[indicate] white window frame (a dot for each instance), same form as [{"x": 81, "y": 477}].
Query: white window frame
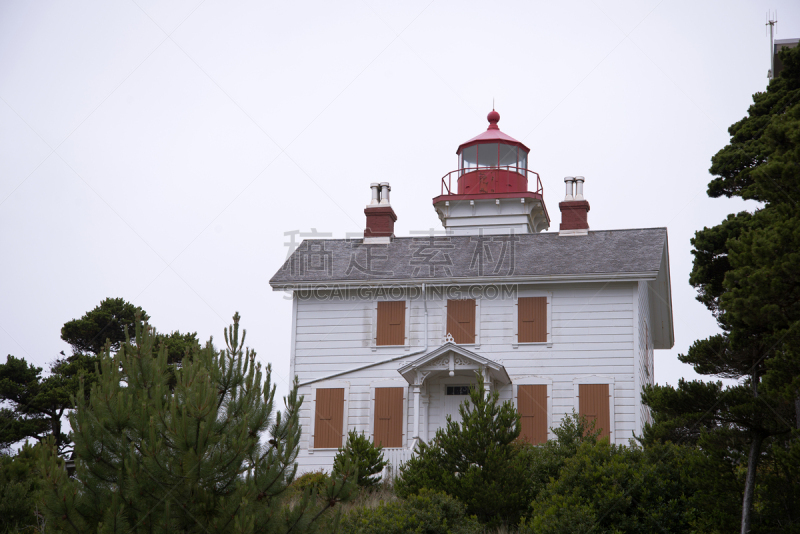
[
  {"x": 392, "y": 383},
  {"x": 534, "y": 380},
  {"x": 533, "y": 293},
  {"x": 477, "y": 344},
  {"x": 373, "y": 342},
  {"x": 598, "y": 379},
  {"x": 328, "y": 384}
]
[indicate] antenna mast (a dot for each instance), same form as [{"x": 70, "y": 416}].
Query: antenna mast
[{"x": 772, "y": 20}]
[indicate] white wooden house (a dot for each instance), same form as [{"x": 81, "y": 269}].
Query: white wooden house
[{"x": 388, "y": 332}]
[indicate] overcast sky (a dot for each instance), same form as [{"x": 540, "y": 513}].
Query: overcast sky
[{"x": 158, "y": 151}]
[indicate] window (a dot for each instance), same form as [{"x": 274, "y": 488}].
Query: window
[
  {"x": 391, "y": 323},
  {"x": 594, "y": 405},
  {"x": 388, "y": 417},
  {"x": 469, "y": 158},
  {"x": 508, "y": 156},
  {"x": 457, "y": 390},
  {"x": 532, "y": 319},
  {"x": 488, "y": 154},
  {"x": 532, "y": 408},
  {"x": 461, "y": 320},
  {"x": 328, "y": 418}
]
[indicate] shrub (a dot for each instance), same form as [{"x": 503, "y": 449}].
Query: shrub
[
  {"x": 429, "y": 512},
  {"x": 501, "y": 477},
  {"x": 365, "y": 456},
  {"x": 475, "y": 461},
  {"x": 313, "y": 481},
  {"x": 612, "y": 488},
  {"x": 19, "y": 489}
]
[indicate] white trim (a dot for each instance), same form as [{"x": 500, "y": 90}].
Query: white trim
[
  {"x": 579, "y": 231},
  {"x": 598, "y": 379},
  {"x": 373, "y": 338},
  {"x": 377, "y": 240},
  {"x": 408, "y": 325},
  {"x": 533, "y": 293},
  {"x": 328, "y": 384},
  {"x": 486, "y": 280},
  {"x": 425, "y": 400},
  {"x": 445, "y": 300},
  {"x": 391, "y": 383},
  {"x": 637, "y": 357},
  {"x": 410, "y": 371},
  {"x": 293, "y": 341},
  {"x": 477, "y": 344},
  {"x": 534, "y": 380}
]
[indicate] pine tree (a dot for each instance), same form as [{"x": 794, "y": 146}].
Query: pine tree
[
  {"x": 366, "y": 457},
  {"x": 746, "y": 273},
  {"x": 35, "y": 403},
  {"x": 189, "y": 458},
  {"x": 474, "y": 460}
]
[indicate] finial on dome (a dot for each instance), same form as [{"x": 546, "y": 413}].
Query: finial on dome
[{"x": 493, "y": 117}]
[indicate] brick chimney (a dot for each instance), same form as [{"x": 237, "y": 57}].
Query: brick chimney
[
  {"x": 574, "y": 208},
  {"x": 380, "y": 215}
]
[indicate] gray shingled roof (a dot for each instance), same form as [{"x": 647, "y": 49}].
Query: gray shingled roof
[{"x": 473, "y": 257}]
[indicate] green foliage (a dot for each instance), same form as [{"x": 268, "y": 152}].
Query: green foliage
[
  {"x": 367, "y": 458},
  {"x": 704, "y": 412},
  {"x": 475, "y": 461},
  {"x": 37, "y": 403},
  {"x": 19, "y": 490},
  {"x": 428, "y": 512},
  {"x": 151, "y": 458},
  {"x": 108, "y": 321},
  {"x": 610, "y": 488},
  {"x": 745, "y": 271},
  {"x": 315, "y": 480},
  {"x": 540, "y": 464},
  {"x": 777, "y": 500},
  {"x": 178, "y": 345},
  {"x": 760, "y": 161}
]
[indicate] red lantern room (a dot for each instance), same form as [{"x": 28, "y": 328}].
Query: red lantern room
[
  {"x": 492, "y": 179},
  {"x": 492, "y": 162}
]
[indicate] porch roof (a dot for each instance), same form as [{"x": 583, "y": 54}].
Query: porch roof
[{"x": 450, "y": 358}]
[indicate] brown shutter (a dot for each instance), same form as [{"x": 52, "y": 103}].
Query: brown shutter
[
  {"x": 389, "y": 417},
  {"x": 328, "y": 423},
  {"x": 461, "y": 320},
  {"x": 593, "y": 404},
  {"x": 391, "y": 323},
  {"x": 532, "y": 313},
  {"x": 532, "y": 408}
]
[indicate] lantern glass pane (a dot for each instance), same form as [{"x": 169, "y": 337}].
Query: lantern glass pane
[
  {"x": 508, "y": 156},
  {"x": 487, "y": 155}
]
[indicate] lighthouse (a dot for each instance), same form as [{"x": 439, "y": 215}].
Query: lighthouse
[
  {"x": 388, "y": 332},
  {"x": 489, "y": 193}
]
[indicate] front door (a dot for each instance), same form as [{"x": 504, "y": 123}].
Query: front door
[{"x": 453, "y": 397}]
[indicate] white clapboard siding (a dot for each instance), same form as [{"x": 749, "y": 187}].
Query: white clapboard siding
[{"x": 591, "y": 327}]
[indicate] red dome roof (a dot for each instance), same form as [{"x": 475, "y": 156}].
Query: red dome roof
[{"x": 492, "y": 135}]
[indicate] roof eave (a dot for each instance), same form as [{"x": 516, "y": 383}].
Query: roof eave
[{"x": 484, "y": 280}]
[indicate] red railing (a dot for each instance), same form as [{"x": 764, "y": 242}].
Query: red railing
[{"x": 447, "y": 178}]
